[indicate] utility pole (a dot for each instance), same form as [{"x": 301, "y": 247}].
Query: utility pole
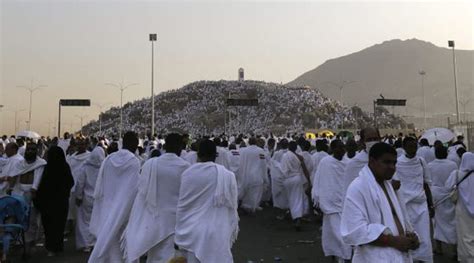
[
  {"x": 31, "y": 89},
  {"x": 121, "y": 87}
]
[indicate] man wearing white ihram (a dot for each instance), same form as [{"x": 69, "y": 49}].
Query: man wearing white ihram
[
  {"x": 85, "y": 187},
  {"x": 207, "y": 222},
  {"x": 296, "y": 179},
  {"x": 114, "y": 194},
  {"x": 414, "y": 177},
  {"x": 464, "y": 182},
  {"x": 252, "y": 177},
  {"x": 373, "y": 219},
  {"x": 152, "y": 222},
  {"x": 369, "y": 137},
  {"x": 75, "y": 161},
  {"x": 331, "y": 198},
  {"x": 445, "y": 221}
]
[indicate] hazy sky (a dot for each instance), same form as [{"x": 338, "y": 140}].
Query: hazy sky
[{"x": 74, "y": 47}]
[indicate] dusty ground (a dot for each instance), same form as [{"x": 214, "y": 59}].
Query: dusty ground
[{"x": 261, "y": 239}]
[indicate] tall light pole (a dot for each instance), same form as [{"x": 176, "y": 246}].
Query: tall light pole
[
  {"x": 31, "y": 89},
  {"x": 422, "y": 74},
  {"x": 452, "y": 45},
  {"x": 152, "y": 40},
  {"x": 122, "y": 87}
]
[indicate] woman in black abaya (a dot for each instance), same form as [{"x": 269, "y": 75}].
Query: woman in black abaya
[{"x": 52, "y": 199}]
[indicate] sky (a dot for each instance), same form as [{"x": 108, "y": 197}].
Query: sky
[{"x": 75, "y": 47}]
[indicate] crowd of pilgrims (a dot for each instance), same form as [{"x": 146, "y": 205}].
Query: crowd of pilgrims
[
  {"x": 198, "y": 106},
  {"x": 178, "y": 197}
]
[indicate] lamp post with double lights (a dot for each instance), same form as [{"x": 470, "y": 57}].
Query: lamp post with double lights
[
  {"x": 31, "y": 89},
  {"x": 122, "y": 87}
]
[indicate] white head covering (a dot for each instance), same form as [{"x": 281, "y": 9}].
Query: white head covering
[
  {"x": 466, "y": 188},
  {"x": 96, "y": 157}
]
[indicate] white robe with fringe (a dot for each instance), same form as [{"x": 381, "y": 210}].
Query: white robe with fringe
[
  {"x": 114, "y": 194},
  {"x": 207, "y": 222}
]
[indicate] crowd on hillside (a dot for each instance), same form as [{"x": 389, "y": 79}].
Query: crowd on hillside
[{"x": 199, "y": 108}]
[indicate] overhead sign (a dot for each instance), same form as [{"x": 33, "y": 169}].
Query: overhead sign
[
  {"x": 242, "y": 102},
  {"x": 390, "y": 102},
  {"x": 75, "y": 102}
]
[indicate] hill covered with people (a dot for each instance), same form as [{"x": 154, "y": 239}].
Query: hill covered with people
[{"x": 200, "y": 108}]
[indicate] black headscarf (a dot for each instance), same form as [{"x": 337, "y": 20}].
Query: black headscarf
[{"x": 57, "y": 180}]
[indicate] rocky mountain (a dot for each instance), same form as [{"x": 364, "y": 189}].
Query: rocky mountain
[{"x": 392, "y": 69}]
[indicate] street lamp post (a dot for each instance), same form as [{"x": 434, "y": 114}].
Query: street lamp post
[
  {"x": 122, "y": 87},
  {"x": 152, "y": 40},
  {"x": 31, "y": 89},
  {"x": 422, "y": 74},
  {"x": 452, "y": 45}
]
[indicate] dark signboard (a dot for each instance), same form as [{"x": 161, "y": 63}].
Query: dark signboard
[
  {"x": 75, "y": 102},
  {"x": 389, "y": 102},
  {"x": 242, "y": 102}
]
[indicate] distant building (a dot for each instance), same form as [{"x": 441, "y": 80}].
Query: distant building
[{"x": 241, "y": 74}]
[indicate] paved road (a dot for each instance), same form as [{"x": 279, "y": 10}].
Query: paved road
[{"x": 261, "y": 238}]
